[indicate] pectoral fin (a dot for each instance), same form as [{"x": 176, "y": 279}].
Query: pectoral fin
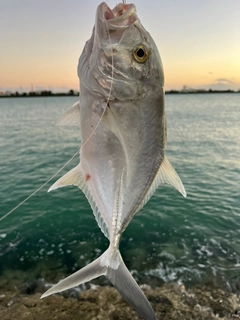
[{"x": 71, "y": 117}]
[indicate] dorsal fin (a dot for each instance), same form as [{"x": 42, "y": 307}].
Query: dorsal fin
[
  {"x": 75, "y": 177},
  {"x": 166, "y": 174},
  {"x": 71, "y": 117}
]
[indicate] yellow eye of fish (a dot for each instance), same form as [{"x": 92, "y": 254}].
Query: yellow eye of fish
[{"x": 140, "y": 53}]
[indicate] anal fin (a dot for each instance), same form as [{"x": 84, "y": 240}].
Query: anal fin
[
  {"x": 75, "y": 177},
  {"x": 72, "y": 178}
]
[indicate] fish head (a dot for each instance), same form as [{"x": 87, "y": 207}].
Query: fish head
[{"x": 121, "y": 60}]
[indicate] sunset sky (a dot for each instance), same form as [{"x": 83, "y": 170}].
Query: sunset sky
[{"x": 41, "y": 41}]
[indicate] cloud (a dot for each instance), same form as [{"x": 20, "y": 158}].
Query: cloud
[
  {"x": 225, "y": 80},
  {"x": 222, "y": 84}
]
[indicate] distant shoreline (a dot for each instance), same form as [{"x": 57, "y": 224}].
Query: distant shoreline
[
  {"x": 200, "y": 91},
  {"x": 76, "y": 94}
]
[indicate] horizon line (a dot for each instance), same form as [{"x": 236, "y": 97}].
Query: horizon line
[{"x": 71, "y": 92}]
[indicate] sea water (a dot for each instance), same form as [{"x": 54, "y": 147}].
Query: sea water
[{"x": 190, "y": 240}]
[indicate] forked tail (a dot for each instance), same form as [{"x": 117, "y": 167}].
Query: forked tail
[{"x": 120, "y": 277}]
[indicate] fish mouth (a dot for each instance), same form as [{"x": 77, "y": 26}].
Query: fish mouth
[{"x": 122, "y": 15}]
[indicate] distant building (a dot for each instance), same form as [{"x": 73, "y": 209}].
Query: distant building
[{"x": 187, "y": 89}]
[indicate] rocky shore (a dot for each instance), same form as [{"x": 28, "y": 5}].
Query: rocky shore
[{"x": 170, "y": 301}]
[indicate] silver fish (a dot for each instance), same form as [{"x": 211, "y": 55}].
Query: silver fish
[{"x": 123, "y": 136}]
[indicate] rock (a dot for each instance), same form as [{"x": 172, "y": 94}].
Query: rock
[{"x": 170, "y": 302}]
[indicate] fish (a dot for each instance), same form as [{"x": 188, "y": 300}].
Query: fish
[{"x": 122, "y": 123}]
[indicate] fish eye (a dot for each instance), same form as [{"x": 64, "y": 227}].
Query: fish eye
[{"x": 140, "y": 53}]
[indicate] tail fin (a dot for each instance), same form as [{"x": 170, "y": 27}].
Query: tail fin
[
  {"x": 124, "y": 282},
  {"x": 91, "y": 271},
  {"x": 120, "y": 277}
]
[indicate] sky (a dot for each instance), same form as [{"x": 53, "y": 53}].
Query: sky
[{"x": 41, "y": 41}]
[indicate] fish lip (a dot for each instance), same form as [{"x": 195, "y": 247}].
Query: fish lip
[{"x": 122, "y": 15}]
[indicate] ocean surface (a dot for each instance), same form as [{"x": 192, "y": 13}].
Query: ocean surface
[{"x": 190, "y": 241}]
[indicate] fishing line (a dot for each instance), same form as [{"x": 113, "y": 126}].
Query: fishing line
[
  {"x": 31, "y": 195},
  {"x": 108, "y": 99},
  {"x": 110, "y": 91}
]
